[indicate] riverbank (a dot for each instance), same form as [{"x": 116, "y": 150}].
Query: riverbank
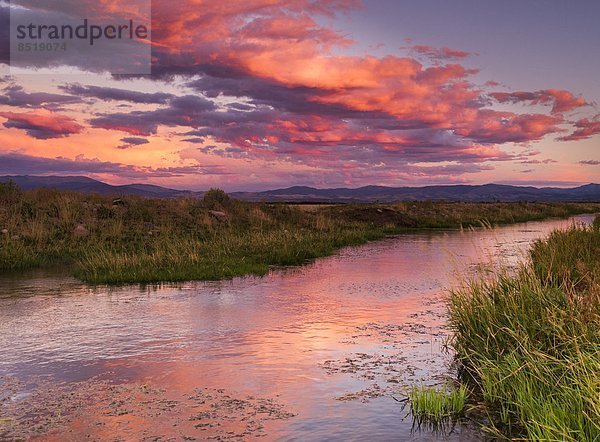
[
  {"x": 136, "y": 240},
  {"x": 528, "y": 343}
]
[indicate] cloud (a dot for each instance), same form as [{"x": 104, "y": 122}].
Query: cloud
[
  {"x": 267, "y": 80},
  {"x": 14, "y": 95},
  {"x": 546, "y": 161},
  {"x": 504, "y": 127},
  {"x": 19, "y": 163},
  {"x": 438, "y": 54},
  {"x": 308, "y": 102},
  {"x": 253, "y": 24},
  {"x": 561, "y": 101},
  {"x": 590, "y": 163},
  {"x": 586, "y": 128},
  {"x": 114, "y": 94},
  {"x": 42, "y": 124},
  {"x": 135, "y": 141},
  {"x": 134, "y": 123},
  {"x": 184, "y": 111},
  {"x": 195, "y": 140},
  {"x": 132, "y": 142}
]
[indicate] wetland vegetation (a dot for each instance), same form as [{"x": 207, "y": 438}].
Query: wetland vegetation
[
  {"x": 140, "y": 240},
  {"x": 528, "y": 343}
]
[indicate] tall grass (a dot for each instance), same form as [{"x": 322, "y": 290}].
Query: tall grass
[
  {"x": 227, "y": 255},
  {"x": 571, "y": 259},
  {"x": 529, "y": 343}
]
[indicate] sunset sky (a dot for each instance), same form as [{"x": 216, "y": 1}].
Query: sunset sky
[{"x": 262, "y": 94}]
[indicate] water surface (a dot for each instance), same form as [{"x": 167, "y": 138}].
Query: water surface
[{"x": 322, "y": 351}]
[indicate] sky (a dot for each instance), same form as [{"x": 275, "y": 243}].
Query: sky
[{"x": 263, "y": 94}]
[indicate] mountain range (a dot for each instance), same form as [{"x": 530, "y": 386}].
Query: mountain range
[{"x": 465, "y": 193}]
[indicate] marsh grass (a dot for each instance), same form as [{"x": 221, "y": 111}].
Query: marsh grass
[
  {"x": 222, "y": 256},
  {"x": 529, "y": 343},
  {"x": 163, "y": 240},
  {"x": 437, "y": 405}
]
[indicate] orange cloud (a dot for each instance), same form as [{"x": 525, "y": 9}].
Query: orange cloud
[{"x": 42, "y": 124}]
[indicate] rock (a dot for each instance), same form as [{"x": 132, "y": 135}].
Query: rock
[
  {"x": 379, "y": 211},
  {"x": 118, "y": 202},
  {"x": 16, "y": 238},
  {"x": 5, "y": 231},
  {"x": 80, "y": 231},
  {"x": 221, "y": 216}
]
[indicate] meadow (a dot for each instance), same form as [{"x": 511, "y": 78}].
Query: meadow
[
  {"x": 103, "y": 240},
  {"x": 528, "y": 344}
]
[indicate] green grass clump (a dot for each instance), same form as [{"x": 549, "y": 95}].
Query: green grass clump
[
  {"x": 434, "y": 405},
  {"x": 529, "y": 343}
]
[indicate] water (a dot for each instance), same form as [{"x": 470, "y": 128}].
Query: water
[{"x": 310, "y": 353}]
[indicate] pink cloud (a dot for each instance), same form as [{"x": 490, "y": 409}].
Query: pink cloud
[
  {"x": 561, "y": 101},
  {"x": 586, "y": 128},
  {"x": 42, "y": 124},
  {"x": 505, "y": 127}
]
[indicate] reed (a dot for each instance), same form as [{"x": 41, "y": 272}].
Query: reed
[{"x": 529, "y": 343}]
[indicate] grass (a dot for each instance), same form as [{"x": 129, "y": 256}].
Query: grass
[
  {"x": 529, "y": 343},
  {"x": 435, "y": 405},
  {"x": 140, "y": 240},
  {"x": 216, "y": 257},
  {"x": 443, "y": 215}
]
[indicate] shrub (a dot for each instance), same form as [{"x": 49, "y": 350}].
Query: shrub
[{"x": 216, "y": 198}]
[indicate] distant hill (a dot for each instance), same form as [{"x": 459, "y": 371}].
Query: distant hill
[
  {"x": 483, "y": 193},
  {"x": 480, "y": 193},
  {"x": 89, "y": 185}
]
